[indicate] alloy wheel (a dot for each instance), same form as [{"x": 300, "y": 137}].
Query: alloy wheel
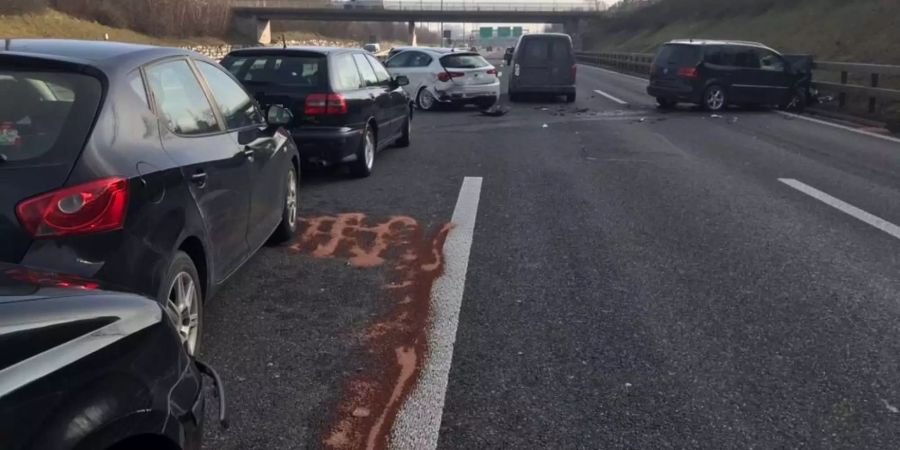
[
  {"x": 369, "y": 150},
  {"x": 291, "y": 198},
  {"x": 715, "y": 98},
  {"x": 182, "y": 307}
]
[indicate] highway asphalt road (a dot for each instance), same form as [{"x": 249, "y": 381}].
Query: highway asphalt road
[{"x": 634, "y": 279}]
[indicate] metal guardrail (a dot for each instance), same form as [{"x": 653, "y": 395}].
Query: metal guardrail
[
  {"x": 420, "y": 5},
  {"x": 640, "y": 63}
]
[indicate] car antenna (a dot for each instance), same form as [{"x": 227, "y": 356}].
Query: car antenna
[{"x": 283, "y": 41}]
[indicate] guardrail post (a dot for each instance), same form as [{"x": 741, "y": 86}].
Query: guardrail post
[
  {"x": 842, "y": 97},
  {"x": 873, "y": 100}
]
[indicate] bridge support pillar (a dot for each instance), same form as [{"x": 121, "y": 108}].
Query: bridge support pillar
[
  {"x": 412, "y": 33},
  {"x": 260, "y": 30},
  {"x": 573, "y": 28}
]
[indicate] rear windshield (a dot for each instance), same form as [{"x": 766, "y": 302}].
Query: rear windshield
[
  {"x": 300, "y": 71},
  {"x": 464, "y": 61},
  {"x": 677, "y": 54},
  {"x": 544, "y": 50},
  {"x": 45, "y": 116}
]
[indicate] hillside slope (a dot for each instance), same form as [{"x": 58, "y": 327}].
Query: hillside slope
[
  {"x": 53, "y": 24},
  {"x": 838, "y": 30}
]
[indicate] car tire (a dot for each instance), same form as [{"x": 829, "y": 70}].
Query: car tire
[
  {"x": 425, "y": 100},
  {"x": 665, "y": 103},
  {"x": 570, "y": 98},
  {"x": 714, "y": 98},
  {"x": 181, "y": 295},
  {"x": 288, "y": 225},
  {"x": 404, "y": 141},
  {"x": 365, "y": 155}
]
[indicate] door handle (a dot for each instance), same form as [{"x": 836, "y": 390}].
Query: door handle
[
  {"x": 199, "y": 178},
  {"x": 248, "y": 153}
]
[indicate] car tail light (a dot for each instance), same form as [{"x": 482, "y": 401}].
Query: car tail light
[
  {"x": 688, "y": 72},
  {"x": 574, "y": 70},
  {"x": 325, "y": 104},
  {"x": 447, "y": 76},
  {"x": 91, "y": 207},
  {"x": 492, "y": 72},
  {"x": 652, "y": 68}
]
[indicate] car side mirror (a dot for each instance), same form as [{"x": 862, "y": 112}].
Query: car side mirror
[
  {"x": 401, "y": 80},
  {"x": 278, "y": 115}
]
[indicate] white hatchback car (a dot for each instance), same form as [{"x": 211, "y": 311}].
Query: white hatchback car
[{"x": 443, "y": 76}]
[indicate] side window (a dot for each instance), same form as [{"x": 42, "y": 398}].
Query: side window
[
  {"x": 137, "y": 86},
  {"x": 365, "y": 69},
  {"x": 401, "y": 59},
  {"x": 181, "y": 102},
  {"x": 346, "y": 77},
  {"x": 770, "y": 61},
  {"x": 381, "y": 74},
  {"x": 420, "y": 60},
  {"x": 745, "y": 57},
  {"x": 714, "y": 55},
  {"x": 236, "y": 106}
]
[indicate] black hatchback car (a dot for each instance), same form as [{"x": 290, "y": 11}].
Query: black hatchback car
[
  {"x": 82, "y": 367},
  {"x": 715, "y": 74},
  {"x": 346, "y": 106},
  {"x": 147, "y": 167}
]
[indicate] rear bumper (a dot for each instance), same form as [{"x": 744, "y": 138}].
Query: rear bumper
[
  {"x": 327, "y": 145},
  {"x": 468, "y": 94},
  {"x": 685, "y": 93}
]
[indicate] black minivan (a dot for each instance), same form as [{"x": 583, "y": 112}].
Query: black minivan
[
  {"x": 715, "y": 74},
  {"x": 543, "y": 63},
  {"x": 346, "y": 106}
]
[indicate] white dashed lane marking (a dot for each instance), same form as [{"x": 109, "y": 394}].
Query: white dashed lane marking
[
  {"x": 615, "y": 99},
  {"x": 844, "y": 207}
]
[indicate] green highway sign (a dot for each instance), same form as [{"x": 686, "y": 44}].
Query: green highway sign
[
  {"x": 503, "y": 32},
  {"x": 517, "y": 31},
  {"x": 486, "y": 32}
]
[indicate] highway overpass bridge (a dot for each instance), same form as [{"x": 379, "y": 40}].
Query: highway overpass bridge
[{"x": 253, "y": 17}]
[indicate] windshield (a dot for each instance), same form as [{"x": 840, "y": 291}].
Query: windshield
[
  {"x": 299, "y": 71},
  {"x": 464, "y": 61},
  {"x": 44, "y": 116}
]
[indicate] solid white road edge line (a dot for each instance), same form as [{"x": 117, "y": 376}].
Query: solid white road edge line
[
  {"x": 614, "y": 72},
  {"x": 836, "y": 125},
  {"x": 419, "y": 420},
  {"x": 844, "y": 207},
  {"x": 615, "y": 99}
]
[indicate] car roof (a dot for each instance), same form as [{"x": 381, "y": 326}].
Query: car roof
[
  {"x": 718, "y": 42},
  {"x": 539, "y": 35},
  {"x": 104, "y": 55},
  {"x": 297, "y": 49}
]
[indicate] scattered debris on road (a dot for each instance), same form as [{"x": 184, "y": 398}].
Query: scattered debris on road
[
  {"x": 544, "y": 126},
  {"x": 495, "y": 111},
  {"x": 715, "y": 116},
  {"x": 890, "y": 407}
]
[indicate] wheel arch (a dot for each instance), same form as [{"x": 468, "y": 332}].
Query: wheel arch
[{"x": 194, "y": 248}]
